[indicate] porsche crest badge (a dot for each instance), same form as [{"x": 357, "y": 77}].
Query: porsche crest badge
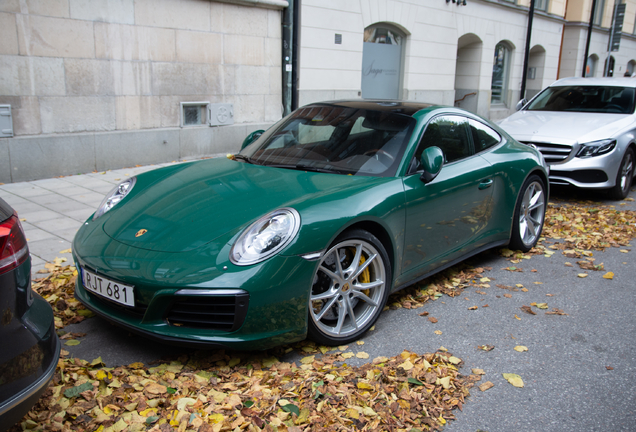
[{"x": 141, "y": 232}]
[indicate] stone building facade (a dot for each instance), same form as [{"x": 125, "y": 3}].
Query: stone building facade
[{"x": 100, "y": 84}]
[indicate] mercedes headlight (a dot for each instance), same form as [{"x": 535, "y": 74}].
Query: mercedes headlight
[
  {"x": 596, "y": 148},
  {"x": 265, "y": 237},
  {"x": 115, "y": 196}
]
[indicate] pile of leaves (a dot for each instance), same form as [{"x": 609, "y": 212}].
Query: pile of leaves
[
  {"x": 215, "y": 391},
  {"x": 589, "y": 228},
  {"x": 57, "y": 288},
  {"x": 450, "y": 282}
]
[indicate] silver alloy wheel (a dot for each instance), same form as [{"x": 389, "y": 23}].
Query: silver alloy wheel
[
  {"x": 531, "y": 213},
  {"x": 348, "y": 288},
  {"x": 626, "y": 172}
]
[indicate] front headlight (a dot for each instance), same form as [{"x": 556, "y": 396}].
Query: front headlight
[
  {"x": 596, "y": 148},
  {"x": 265, "y": 237},
  {"x": 115, "y": 196}
]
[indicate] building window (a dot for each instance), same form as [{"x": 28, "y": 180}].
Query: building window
[
  {"x": 541, "y": 5},
  {"x": 598, "y": 13},
  {"x": 608, "y": 71},
  {"x": 590, "y": 67},
  {"x": 194, "y": 113},
  {"x": 499, "y": 85},
  {"x": 382, "y": 59}
]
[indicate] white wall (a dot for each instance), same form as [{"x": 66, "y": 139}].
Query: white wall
[{"x": 330, "y": 71}]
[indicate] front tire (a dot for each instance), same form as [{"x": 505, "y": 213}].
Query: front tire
[
  {"x": 529, "y": 214},
  {"x": 624, "y": 177},
  {"x": 349, "y": 289}
]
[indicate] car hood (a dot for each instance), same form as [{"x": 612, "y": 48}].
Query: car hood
[
  {"x": 564, "y": 127},
  {"x": 195, "y": 205}
]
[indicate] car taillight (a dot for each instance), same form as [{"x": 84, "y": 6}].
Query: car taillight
[{"x": 13, "y": 245}]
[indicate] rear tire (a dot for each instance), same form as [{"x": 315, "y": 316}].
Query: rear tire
[
  {"x": 624, "y": 177},
  {"x": 349, "y": 289},
  {"x": 529, "y": 214}
]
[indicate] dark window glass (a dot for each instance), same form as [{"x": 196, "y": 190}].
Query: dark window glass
[
  {"x": 335, "y": 139},
  {"x": 598, "y": 99},
  {"x": 449, "y": 133},
  {"x": 484, "y": 137}
]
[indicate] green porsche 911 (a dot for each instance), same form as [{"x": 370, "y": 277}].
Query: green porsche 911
[{"x": 310, "y": 227}]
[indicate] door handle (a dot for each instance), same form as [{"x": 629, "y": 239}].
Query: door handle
[{"x": 485, "y": 184}]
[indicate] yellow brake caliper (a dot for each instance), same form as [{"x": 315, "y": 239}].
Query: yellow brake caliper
[{"x": 365, "y": 276}]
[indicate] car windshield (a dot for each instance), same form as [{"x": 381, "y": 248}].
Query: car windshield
[
  {"x": 335, "y": 139},
  {"x": 596, "y": 99}
]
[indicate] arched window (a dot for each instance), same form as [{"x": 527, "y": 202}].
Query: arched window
[
  {"x": 608, "y": 71},
  {"x": 500, "y": 67},
  {"x": 382, "y": 58},
  {"x": 631, "y": 68},
  {"x": 590, "y": 66}
]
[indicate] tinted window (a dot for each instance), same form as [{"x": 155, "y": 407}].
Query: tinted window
[
  {"x": 600, "y": 99},
  {"x": 484, "y": 137},
  {"x": 449, "y": 133},
  {"x": 335, "y": 139}
]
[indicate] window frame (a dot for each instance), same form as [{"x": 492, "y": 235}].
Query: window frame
[
  {"x": 499, "y": 141},
  {"x": 542, "y": 5},
  {"x": 414, "y": 166},
  {"x": 598, "y": 14},
  {"x": 505, "y": 74},
  {"x": 204, "y": 106}
]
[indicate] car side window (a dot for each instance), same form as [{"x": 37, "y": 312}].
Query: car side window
[
  {"x": 484, "y": 137},
  {"x": 448, "y": 132}
]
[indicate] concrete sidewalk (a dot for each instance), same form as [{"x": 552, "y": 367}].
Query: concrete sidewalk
[{"x": 52, "y": 210}]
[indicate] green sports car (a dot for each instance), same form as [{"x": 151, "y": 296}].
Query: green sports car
[{"x": 310, "y": 227}]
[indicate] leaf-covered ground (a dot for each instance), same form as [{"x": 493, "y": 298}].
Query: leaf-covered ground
[
  {"x": 215, "y": 392},
  {"x": 218, "y": 391}
]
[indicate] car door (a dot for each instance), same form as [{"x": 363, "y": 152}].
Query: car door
[{"x": 445, "y": 216}]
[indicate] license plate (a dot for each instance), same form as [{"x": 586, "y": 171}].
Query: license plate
[{"x": 104, "y": 287}]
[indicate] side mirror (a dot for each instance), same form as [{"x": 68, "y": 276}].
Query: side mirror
[
  {"x": 521, "y": 103},
  {"x": 251, "y": 138},
  {"x": 432, "y": 160}
]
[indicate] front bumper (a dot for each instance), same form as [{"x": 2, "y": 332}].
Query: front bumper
[
  {"x": 246, "y": 308},
  {"x": 598, "y": 172}
]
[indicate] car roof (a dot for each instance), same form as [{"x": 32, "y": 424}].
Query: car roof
[
  {"x": 611, "y": 82},
  {"x": 397, "y": 106}
]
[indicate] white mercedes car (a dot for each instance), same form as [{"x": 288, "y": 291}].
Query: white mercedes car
[{"x": 586, "y": 130}]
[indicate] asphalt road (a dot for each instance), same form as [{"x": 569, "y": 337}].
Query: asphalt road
[{"x": 578, "y": 369}]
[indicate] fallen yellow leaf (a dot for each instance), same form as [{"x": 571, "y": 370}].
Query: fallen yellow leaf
[
  {"x": 582, "y": 275},
  {"x": 362, "y": 355},
  {"x": 608, "y": 275},
  {"x": 513, "y": 379},
  {"x": 438, "y": 332},
  {"x": 520, "y": 348},
  {"x": 517, "y": 317},
  {"x": 307, "y": 360}
]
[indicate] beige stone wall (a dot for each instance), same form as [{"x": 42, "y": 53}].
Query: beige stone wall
[{"x": 70, "y": 66}]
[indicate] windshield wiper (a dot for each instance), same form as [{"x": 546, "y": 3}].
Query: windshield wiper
[
  {"x": 245, "y": 159},
  {"x": 303, "y": 167}
]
